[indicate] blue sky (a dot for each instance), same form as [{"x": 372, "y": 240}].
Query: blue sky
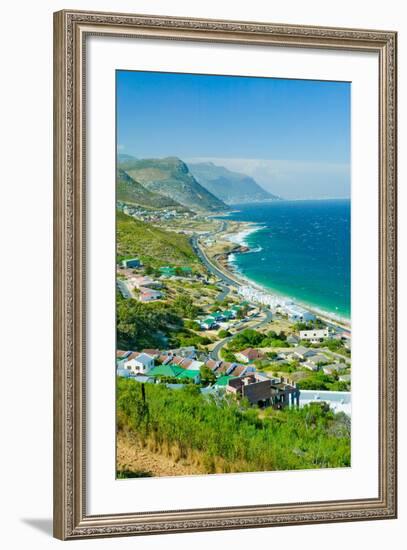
[{"x": 293, "y": 136}]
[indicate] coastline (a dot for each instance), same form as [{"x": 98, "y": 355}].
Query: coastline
[{"x": 239, "y": 238}]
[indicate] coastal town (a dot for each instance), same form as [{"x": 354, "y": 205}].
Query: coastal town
[
  {"x": 239, "y": 339},
  {"x": 233, "y": 333}
]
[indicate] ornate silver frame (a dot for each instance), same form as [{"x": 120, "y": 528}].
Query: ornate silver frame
[{"x": 70, "y": 31}]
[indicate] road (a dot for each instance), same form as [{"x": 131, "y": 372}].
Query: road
[
  {"x": 216, "y": 350},
  {"x": 210, "y": 266},
  {"x": 222, "y": 295}
]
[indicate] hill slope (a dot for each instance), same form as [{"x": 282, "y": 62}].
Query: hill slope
[
  {"x": 154, "y": 246},
  {"x": 231, "y": 187},
  {"x": 131, "y": 191},
  {"x": 170, "y": 177}
]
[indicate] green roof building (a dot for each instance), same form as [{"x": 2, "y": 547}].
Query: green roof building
[
  {"x": 165, "y": 370},
  {"x": 223, "y": 380},
  {"x": 193, "y": 374}
]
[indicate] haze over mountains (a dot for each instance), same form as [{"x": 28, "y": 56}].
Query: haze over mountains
[
  {"x": 170, "y": 182},
  {"x": 231, "y": 187}
]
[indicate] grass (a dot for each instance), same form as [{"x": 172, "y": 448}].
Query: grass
[
  {"x": 227, "y": 436},
  {"x": 154, "y": 246}
]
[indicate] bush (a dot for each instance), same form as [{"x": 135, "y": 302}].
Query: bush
[{"x": 229, "y": 437}]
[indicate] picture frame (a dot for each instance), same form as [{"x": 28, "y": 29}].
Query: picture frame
[{"x": 72, "y": 29}]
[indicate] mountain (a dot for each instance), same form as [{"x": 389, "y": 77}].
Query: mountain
[
  {"x": 170, "y": 177},
  {"x": 131, "y": 191},
  {"x": 230, "y": 187}
]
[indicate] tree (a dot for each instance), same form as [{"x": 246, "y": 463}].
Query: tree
[
  {"x": 223, "y": 333},
  {"x": 207, "y": 376},
  {"x": 185, "y": 307}
]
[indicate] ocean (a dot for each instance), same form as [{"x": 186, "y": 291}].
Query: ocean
[{"x": 299, "y": 249}]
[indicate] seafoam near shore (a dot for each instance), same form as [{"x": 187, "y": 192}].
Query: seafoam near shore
[{"x": 241, "y": 238}]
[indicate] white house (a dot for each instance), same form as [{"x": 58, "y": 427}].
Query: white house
[
  {"x": 314, "y": 335},
  {"x": 297, "y": 313},
  {"x": 139, "y": 363}
]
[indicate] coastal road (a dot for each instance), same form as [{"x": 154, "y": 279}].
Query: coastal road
[
  {"x": 215, "y": 353},
  {"x": 213, "y": 269}
]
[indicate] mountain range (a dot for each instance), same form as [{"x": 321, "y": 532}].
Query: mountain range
[
  {"x": 171, "y": 183},
  {"x": 168, "y": 177},
  {"x": 230, "y": 187}
]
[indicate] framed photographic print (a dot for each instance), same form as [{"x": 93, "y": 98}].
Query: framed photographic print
[{"x": 225, "y": 274}]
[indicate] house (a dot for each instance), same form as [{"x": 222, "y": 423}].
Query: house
[
  {"x": 224, "y": 367},
  {"x": 140, "y": 363},
  {"x": 164, "y": 359},
  {"x": 193, "y": 375},
  {"x": 149, "y": 294},
  {"x": 212, "y": 364},
  {"x": 120, "y": 354},
  {"x": 315, "y": 335},
  {"x": 188, "y": 352},
  {"x": 168, "y": 371},
  {"x": 208, "y": 324},
  {"x": 296, "y": 313},
  {"x": 345, "y": 337},
  {"x": 334, "y": 367},
  {"x": 262, "y": 391},
  {"x": 315, "y": 361},
  {"x": 217, "y": 316},
  {"x": 167, "y": 271},
  {"x": 293, "y": 340},
  {"x": 143, "y": 280},
  {"x": 302, "y": 353},
  {"x": 155, "y": 353},
  {"x": 124, "y": 373},
  {"x": 223, "y": 381},
  {"x": 192, "y": 364},
  {"x": 241, "y": 370},
  {"x": 248, "y": 355},
  {"x": 131, "y": 263},
  {"x": 121, "y": 357},
  {"x": 229, "y": 314}
]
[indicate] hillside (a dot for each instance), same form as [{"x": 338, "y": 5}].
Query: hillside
[
  {"x": 131, "y": 191},
  {"x": 230, "y": 187},
  {"x": 154, "y": 246},
  {"x": 170, "y": 177}
]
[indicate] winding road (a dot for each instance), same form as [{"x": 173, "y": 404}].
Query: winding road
[{"x": 215, "y": 353}]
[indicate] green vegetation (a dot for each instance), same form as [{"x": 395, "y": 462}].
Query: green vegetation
[
  {"x": 186, "y": 337},
  {"x": 321, "y": 381},
  {"x": 223, "y": 333},
  {"x": 228, "y": 437},
  {"x": 144, "y": 325},
  {"x": 309, "y": 325},
  {"x": 251, "y": 338},
  {"x": 207, "y": 376},
  {"x": 185, "y": 307},
  {"x": 152, "y": 245},
  {"x": 228, "y": 355}
]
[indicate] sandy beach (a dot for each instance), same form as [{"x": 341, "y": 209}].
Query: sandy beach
[{"x": 236, "y": 233}]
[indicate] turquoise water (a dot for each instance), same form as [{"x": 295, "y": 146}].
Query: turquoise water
[{"x": 301, "y": 251}]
